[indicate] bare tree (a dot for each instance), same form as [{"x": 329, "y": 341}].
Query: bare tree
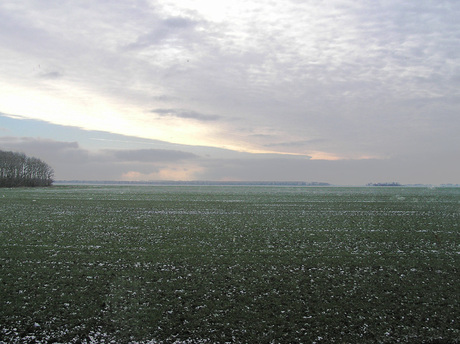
[{"x": 16, "y": 169}]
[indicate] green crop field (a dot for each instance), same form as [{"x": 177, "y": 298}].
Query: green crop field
[{"x": 210, "y": 264}]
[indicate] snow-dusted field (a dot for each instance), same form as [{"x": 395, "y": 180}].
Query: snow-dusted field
[{"x": 211, "y": 264}]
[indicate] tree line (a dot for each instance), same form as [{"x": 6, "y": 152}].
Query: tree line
[{"x": 17, "y": 169}]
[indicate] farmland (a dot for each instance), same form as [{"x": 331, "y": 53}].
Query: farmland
[{"x": 210, "y": 264}]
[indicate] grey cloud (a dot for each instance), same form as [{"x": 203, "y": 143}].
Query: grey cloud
[
  {"x": 179, "y": 22},
  {"x": 30, "y": 143},
  {"x": 172, "y": 27},
  {"x": 70, "y": 161},
  {"x": 51, "y": 75},
  {"x": 71, "y": 152},
  {"x": 338, "y": 172},
  {"x": 263, "y": 169},
  {"x": 303, "y": 143},
  {"x": 49, "y": 150},
  {"x": 185, "y": 114},
  {"x": 16, "y": 33},
  {"x": 165, "y": 98},
  {"x": 151, "y": 155}
]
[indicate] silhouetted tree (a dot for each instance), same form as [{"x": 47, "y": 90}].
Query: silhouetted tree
[{"x": 17, "y": 169}]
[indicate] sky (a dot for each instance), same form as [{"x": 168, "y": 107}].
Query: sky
[{"x": 341, "y": 91}]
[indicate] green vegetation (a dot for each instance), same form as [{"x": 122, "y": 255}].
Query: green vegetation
[{"x": 229, "y": 264}]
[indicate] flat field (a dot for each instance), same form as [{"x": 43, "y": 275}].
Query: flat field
[{"x": 210, "y": 264}]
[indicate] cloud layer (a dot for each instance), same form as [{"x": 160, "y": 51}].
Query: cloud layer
[
  {"x": 342, "y": 79},
  {"x": 71, "y": 161}
]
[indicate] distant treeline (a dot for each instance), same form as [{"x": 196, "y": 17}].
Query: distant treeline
[
  {"x": 17, "y": 169},
  {"x": 384, "y": 184},
  {"x": 195, "y": 182}
]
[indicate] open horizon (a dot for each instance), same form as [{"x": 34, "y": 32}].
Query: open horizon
[{"x": 241, "y": 183}]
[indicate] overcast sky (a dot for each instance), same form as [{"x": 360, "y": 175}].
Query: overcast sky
[{"x": 339, "y": 91}]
